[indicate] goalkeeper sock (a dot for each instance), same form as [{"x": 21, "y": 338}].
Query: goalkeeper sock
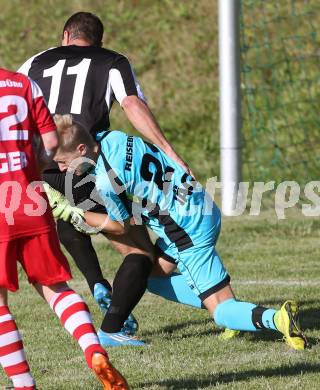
[
  {"x": 74, "y": 315},
  {"x": 12, "y": 356},
  {"x": 174, "y": 288},
  {"x": 245, "y": 316}
]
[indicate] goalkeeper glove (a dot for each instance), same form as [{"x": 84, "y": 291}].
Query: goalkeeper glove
[{"x": 62, "y": 209}]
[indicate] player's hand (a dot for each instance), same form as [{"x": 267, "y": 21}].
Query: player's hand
[
  {"x": 181, "y": 162},
  {"x": 62, "y": 209},
  {"x": 79, "y": 223}
]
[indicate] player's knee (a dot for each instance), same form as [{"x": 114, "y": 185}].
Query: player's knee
[
  {"x": 220, "y": 315},
  {"x": 135, "y": 252},
  {"x": 57, "y": 287}
]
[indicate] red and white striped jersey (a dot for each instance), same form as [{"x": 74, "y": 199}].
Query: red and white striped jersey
[{"x": 23, "y": 115}]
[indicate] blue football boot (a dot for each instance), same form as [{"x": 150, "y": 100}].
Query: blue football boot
[
  {"x": 102, "y": 296},
  {"x": 118, "y": 339}
]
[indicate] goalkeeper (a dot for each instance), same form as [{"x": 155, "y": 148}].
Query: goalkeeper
[{"x": 140, "y": 184}]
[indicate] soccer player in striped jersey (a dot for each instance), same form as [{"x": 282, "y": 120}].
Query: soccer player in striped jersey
[
  {"x": 137, "y": 181},
  {"x": 28, "y": 235}
]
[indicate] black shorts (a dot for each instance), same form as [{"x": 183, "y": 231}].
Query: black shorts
[{"x": 80, "y": 190}]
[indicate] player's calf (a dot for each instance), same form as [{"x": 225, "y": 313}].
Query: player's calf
[
  {"x": 12, "y": 357},
  {"x": 74, "y": 315},
  {"x": 103, "y": 297},
  {"x": 128, "y": 287},
  {"x": 247, "y": 316}
]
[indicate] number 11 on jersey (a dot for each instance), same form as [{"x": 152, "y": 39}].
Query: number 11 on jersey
[{"x": 56, "y": 71}]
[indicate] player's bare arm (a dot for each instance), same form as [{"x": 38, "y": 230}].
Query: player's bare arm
[
  {"x": 141, "y": 117},
  {"x": 46, "y": 148},
  {"x": 104, "y": 223}
]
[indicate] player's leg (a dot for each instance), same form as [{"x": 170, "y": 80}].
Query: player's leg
[
  {"x": 234, "y": 314},
  {"x": 207, "y": 276},
  {"x": 128, "y": 287},
  {"x": 80, "y": 248},
  {"x": 170, "y": 285},
  {"x": 12, "y": 355},
  {"x": 75, "y": 317},
  {"x": 48, "y": 272}
]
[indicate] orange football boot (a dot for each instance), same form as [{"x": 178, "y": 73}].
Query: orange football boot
[{"x": 110, "y": 378}]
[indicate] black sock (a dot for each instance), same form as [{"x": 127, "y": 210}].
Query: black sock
[{"x": 129, "y": 285}]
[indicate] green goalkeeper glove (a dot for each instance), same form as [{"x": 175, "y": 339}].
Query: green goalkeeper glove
[{"x": 62, "y": 209}]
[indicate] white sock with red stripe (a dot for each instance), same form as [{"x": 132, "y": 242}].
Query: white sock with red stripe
[
  {"x": 12, "y": 356},
  {"x": 75, "y": 317}
]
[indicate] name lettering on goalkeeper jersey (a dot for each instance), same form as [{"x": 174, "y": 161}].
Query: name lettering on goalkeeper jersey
[{"x": 129, "y": 153}]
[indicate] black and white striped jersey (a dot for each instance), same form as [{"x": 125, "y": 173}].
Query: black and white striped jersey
[{"x": 83, "y": 81}]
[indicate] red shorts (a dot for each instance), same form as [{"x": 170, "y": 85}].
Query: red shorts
[{"x": 40, "y": 256}]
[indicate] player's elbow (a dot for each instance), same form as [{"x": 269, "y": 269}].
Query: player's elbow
[
  {"x": 129, "y": 103},
  {"x": 118, "y": 228}
]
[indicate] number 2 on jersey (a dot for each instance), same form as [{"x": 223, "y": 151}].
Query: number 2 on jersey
[
  {"x": 157, "y": 175},
  {"x": 81, "y": 70},
  {"x": 6, "y": 134}
]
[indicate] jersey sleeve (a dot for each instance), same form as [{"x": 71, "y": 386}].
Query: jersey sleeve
[
  {"x": 26, "y": 66},
  {"x": 122, "y": 81},
  {"x": 113, "y": 193},
  {"x": 41, "y": 114},
  {"x": 114, "y": 200},
  {"x": 115, "y": 207}
]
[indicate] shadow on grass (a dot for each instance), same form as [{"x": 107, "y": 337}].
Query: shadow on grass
[
  {"x": 171, "y": 329},
  {"x": 273, "y": 337},
  {"x": 225, "y": 378},
  {"x": 310, "y": 318}
]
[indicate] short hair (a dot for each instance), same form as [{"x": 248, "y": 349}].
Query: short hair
[
  {"x": 85, "y": 25},
  {"x": 71, "y": 134}
]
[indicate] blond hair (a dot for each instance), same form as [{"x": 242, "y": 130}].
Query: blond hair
[{"x": 71, "y": 134}]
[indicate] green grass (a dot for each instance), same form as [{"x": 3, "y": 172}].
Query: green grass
[{"x": 269, "y": 261}]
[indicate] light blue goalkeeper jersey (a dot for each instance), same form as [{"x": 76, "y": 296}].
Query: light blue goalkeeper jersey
[{"x": 135, "y": 178}]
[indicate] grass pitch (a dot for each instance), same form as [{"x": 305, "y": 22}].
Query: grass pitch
[{"x": 269, "y": 261}]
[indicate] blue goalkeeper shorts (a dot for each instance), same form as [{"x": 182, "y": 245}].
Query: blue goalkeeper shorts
[{"x": 201, "y": 264}]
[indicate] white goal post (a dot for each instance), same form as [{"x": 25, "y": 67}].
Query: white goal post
[{"x": 230, "y": 115}]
